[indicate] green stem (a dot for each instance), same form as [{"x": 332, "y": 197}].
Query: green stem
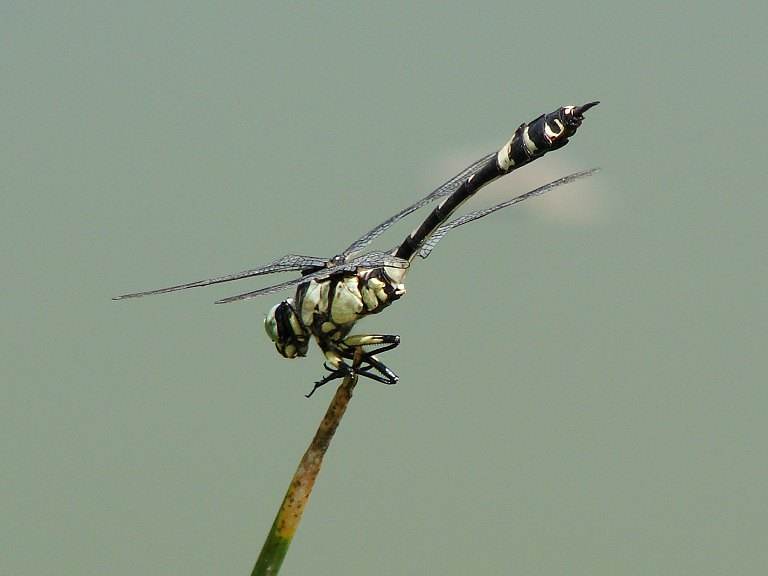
[{"x": 289, "y": 515}]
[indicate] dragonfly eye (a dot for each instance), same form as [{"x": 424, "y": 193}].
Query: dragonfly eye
[{"x": 270, "y": 323}]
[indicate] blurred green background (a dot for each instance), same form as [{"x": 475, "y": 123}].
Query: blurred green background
[{"x": 583, "y": 378}]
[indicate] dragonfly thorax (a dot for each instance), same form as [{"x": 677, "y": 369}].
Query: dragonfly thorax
[{"x": 328, "y": 308}]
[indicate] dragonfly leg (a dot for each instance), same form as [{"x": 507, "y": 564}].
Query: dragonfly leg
[
  {"x": 388, "y": 377},
  {"x": 370, "y": 366},
  {"x": 383, "y": 343},
  {"x": 335, "y": 373}
]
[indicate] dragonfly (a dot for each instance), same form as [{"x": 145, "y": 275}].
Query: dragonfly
[{"x": 332, "y": 294}]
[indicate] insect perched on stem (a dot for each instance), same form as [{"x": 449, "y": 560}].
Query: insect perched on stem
[{"x": 332, "y": 294}]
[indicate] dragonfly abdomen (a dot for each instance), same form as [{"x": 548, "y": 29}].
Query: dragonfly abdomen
[{"x": 530, "y": 141}]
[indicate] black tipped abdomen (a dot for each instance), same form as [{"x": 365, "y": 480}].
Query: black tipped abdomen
[{"x": 529, "y": 142}]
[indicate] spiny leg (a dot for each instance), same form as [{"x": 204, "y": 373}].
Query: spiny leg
[
  {"x": 369, "y": 363},
  {"x": 383, "y": 343},
  {"x": 389, "y": 377},
  {"x": 335, "y": 373},
  {"x": 347, "y": 348}
]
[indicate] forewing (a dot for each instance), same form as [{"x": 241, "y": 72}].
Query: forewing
[
  {"x": 324, "y": 273},
  {"x": 445, "y": 189},
  {"x": 368, "y": 260},
  {"x": 283, "y": 264},
  {"x": 378, "y": 259},
  {"x": 441, "y": 231}
]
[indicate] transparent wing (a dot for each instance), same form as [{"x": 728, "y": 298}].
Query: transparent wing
[
  {"x": 283, "y": 264},
  {"x": 368, "y": 260},
  {"x": 376, "y": 259},
  {"x": 283, "y": 285},
  {"x": 445, "y": 189},
  {"x": 441, "y": 231}
]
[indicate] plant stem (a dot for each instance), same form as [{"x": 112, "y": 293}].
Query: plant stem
[{"x": 289, "y": 515}]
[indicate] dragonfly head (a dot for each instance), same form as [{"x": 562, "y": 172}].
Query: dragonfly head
[{"x": 284, "y": 329}]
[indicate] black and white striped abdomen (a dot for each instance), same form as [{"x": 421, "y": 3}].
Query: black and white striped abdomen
[
  {"x": 530, "y": 141},
  {"x": 546, "y": 133}
]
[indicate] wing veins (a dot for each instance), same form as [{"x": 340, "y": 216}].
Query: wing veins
[
  {"x": 285, "y": 263},
  {"x": 430, "y": 243},
  {"x": 444, "y": 189},
  {"x": 367, "y": 260}
]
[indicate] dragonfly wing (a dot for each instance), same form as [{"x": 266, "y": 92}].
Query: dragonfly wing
[
  {"x": 445, "y": 189},
  {"x": 378, "y": 259},
  {"x": 283, "y": 264},
  {"x": 441, "y": 231},
  {"x": 368, "y": 260},
  {"x": 324, "y": 273}
]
